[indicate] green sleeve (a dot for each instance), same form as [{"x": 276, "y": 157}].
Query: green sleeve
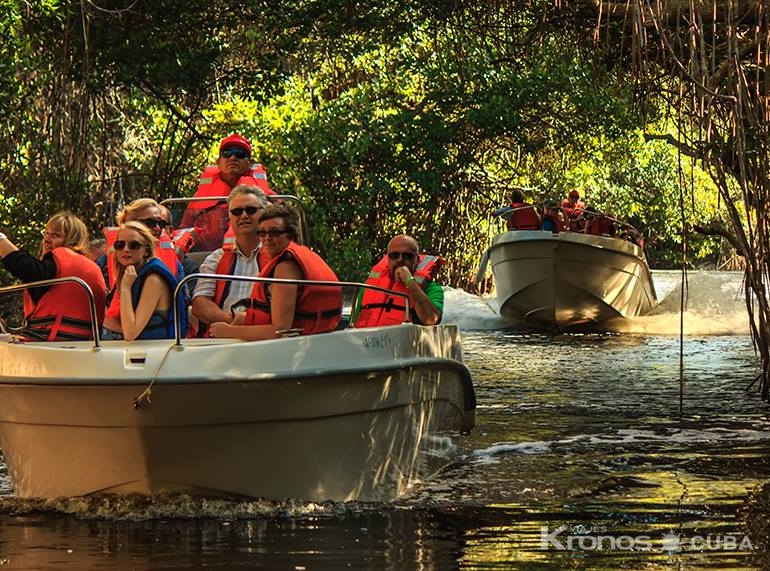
[{"x": 435, "y": 293}]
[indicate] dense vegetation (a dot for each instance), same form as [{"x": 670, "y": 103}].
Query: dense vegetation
[{"x": 382, "y": 116}]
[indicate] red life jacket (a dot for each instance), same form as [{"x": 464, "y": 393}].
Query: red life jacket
[
  {"x": 572, "y": 211},
  {"x": 379, "y": 308},
  {"x": 318, "y": 308},
  {"x": 210, "y": 216},
  {"x": 164, "y": 250},
  {"x": 523, "y": 218},
  {"x": 602, "y": 226},
  {"x": 184, "y": 239},
  {"x": 63, "y": 312}
]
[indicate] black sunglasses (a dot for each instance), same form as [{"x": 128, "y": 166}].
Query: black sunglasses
[
  {"x": 132, "y": 244},
  {"x": 250, "y": 210},
  {"x": 152, "y": 223},
  {"x": 408, "y": 256},
  {"x": 273, "y": 232},
  {"x": 237, "y": 153}
]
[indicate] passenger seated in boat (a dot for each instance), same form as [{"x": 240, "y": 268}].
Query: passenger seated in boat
[
  {"x": 553, "y": 219},
  {"x": 278, "y": 308},
  {"x": 572, "y": 206},
  {"x": 183, "y": 239},
  {"x": 524, "y": 216},
  {"x": 148, "y": 213},
  {"x": 146, "y": 287},
  {"x": 599, "y": 224},
  {"x": 59, "y": 312},
  {"x": 233, "y": 167},
  {"x": 217, "y": 301},
  {"x": 96, "y": 249},
  {"x": 402, "y": 269}
]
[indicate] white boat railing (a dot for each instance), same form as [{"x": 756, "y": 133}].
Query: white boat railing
[
  {"x": 179, "y": 290},
  {"x": 42, "y": 283},
  {"x": 227, "y": 277}
]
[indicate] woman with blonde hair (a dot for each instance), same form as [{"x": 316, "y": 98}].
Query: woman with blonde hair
[
  {"x": 146, "y": 288},
  {"x": 60, "y": 312}
]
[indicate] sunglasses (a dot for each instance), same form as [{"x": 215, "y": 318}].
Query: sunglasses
[
  {"x": 250, "y": 210},
  {"x": 237, "y": 153},
  {"x": 408, "y": 256},
  {"x": 153, "y": 223},
  {"x": 132, "y": 244},
  {"x": 273, "y": 232}
]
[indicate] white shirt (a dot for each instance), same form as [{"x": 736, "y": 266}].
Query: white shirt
[{"x": 244, "y": 266}]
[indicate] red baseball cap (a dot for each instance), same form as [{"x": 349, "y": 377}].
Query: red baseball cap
[
  {"x": 571, "y": 192},
  {"x": 235, "y": 140}
]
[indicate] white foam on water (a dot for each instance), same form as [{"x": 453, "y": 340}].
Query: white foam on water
[
  {"x": 469, "y": 311},
  {"x": 487, "y": 455}
]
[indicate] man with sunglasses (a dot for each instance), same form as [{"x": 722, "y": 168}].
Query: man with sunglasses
[
  {"x": 234, "y": 167},
  {"x": 216, "y": 300},
  {"x": 403, "y": 270}
]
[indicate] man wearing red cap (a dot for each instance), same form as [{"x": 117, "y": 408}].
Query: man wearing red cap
[{"x": 234, "y": 166}]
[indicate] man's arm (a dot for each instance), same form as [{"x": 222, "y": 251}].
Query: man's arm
[{"x": 428, "y": 313}]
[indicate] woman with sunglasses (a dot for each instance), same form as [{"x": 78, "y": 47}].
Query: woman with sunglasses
[
  {"x": 60, "y": 312},
  {"x": 403, "y": 270},
  {"x": 146, "y": 288},
  {"x": 277, "y": 308}
]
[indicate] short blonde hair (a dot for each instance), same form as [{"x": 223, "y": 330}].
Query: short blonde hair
[
  {"x": 133, "y": 208},
  {"x": 72, "y": 228}
]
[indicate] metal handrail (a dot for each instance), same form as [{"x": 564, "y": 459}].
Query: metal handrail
[
  {"x": 54, "y": 281},
  {"x": 228, "y": 277}
]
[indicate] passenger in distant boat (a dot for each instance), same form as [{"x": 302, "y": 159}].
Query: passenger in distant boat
[
  {"x": 524, "y": 216},
  {"x": 599, "y": 224},
  {"x": 553, "y": 219},
  {"x": 146, "y": 287},
  {"x": 234, "y": 167},
  {"x": 217, "y": 301},
  {"x": 59, "y": 312},
  {"x": 276, "y": 308},
  {"x": 403, "y": 270},
  {"x": 573, "y": 208}
]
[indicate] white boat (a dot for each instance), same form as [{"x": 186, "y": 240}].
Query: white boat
[
  {"x": 355, "y": 414},
  {"x": 568, "y": 281}
]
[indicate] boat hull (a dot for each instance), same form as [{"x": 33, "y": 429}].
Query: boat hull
[
  {"x": 569, "y": 281},
  {"x": 276, "y": 421}
]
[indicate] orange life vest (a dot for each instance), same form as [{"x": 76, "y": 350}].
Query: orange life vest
[
  {"x": 184, "y": 239},
  {"x": 318, "y": 309},
  {"x": 602, "y": 226},
  {"x": 524, "y": 217},
  {"x": 63, "y": 312},
  {"x": 571, "y": 211},
  {"x": 210, "y": 216},
  {"x": 164, "y": 250},
  {"x": 379, "y": 308}
]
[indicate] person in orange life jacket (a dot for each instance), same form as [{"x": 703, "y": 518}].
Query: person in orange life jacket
[
  {"x": 146, "y": 288},
  {"x": 426, "y": 299},
  {"x": 217, "y": 301},
  {"x": 553, "y": 220},
  {"x": 524, "y": 215},
  {"x": 59, "y": 312},
  {"x": 233, "y": 167},
  {"x": 276, "y": 307},
  {"x": 188, "y": 264},
  {"x": 572, "y": 206},
  {"x": 598, "y": 224},
  {"x": 148, "y": 212}
]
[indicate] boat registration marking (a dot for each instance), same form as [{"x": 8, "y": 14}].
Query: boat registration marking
[{"x": 377, "y": 341}]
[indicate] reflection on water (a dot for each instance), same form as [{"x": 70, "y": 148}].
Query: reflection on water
[{"x": 580, "y": 459}]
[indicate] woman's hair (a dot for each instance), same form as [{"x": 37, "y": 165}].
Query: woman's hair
[
  {"x": 72, "y": 228},
  {"x": 289, "y": 215},
  {"x": 146, "y": 236},
  {"x": 134, "y": 207}
]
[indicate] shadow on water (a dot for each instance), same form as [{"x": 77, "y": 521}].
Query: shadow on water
[{"x": 580, "y": 460}]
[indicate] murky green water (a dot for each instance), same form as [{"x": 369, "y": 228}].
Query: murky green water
[{"x": 580, "y": 460}]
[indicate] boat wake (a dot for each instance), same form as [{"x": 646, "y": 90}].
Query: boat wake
[{"x": 714, "y": 305}]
